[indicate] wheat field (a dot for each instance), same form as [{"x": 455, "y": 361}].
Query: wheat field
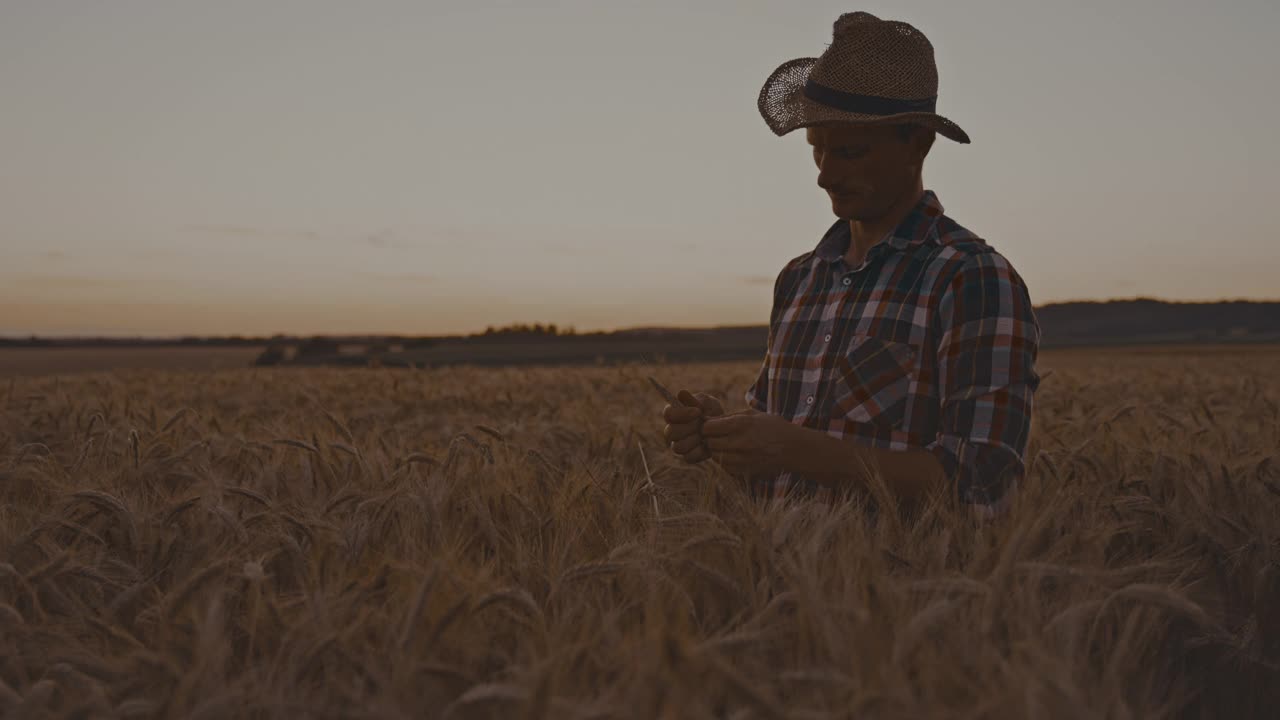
[{"x": 498, "y": 543}]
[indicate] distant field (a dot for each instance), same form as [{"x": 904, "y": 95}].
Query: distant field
[
  {"x": 491, "y": 542},
  {"x": 59, "y": 361}
]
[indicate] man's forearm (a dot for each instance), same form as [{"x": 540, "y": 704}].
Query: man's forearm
[{"x": 841, "y": 463}]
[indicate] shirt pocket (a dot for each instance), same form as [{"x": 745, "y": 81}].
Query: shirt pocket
[{"x": 872, "y": 381}]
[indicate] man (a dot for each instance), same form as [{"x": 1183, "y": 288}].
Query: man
[{"x": 901, "y": 345}]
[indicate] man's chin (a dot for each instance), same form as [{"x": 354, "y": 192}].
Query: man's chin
[{"x": 846, "y": 210}]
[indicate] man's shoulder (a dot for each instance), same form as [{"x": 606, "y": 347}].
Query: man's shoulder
[
  {"x": 799, "y": 265},
  {"x": 959, "y": 246},
  {"x": 799, "y": 262},
  {"x": 968, "y": 261},
  {"x": 791, "y": 273},
  {"x": 958, "y": 239}
]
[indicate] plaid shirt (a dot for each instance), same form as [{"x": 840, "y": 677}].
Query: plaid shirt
[{"x": 930, "y": 343}]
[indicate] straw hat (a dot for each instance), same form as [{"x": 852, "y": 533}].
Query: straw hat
[{"x": 875, "y": 71}]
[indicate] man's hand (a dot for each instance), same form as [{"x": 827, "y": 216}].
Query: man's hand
[
  {"x": 684, "y": 424},
  {"x": 750, "y": 442}
]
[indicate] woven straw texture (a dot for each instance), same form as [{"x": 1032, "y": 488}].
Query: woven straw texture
[{"x": 868, "y": 56}]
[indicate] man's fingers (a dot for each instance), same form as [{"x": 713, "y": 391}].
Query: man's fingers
[
  {"x": 710, "y": 405},
  {"x": 727, "y": 425},
  {"x": 674, "y": 433},
  {"x": 678, "y": 415},
  {"x": 687, "y": 398},
  {"x": 687, "y": 444}
]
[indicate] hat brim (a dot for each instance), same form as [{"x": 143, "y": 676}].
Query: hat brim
[{"x": 785, "y": 108}]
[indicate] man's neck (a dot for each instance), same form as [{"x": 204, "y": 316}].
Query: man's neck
[{"x": 864, "y": 234}]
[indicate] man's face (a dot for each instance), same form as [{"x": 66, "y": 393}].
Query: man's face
[{"x": 865, "y": 169}]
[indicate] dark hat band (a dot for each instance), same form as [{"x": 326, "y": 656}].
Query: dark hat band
[{"x": 866, "y": 104}]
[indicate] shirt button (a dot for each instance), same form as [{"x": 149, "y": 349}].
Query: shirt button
[
  {"x": 809, "y": 400},
  {"x": 848, "y": 281},
  {"x": 826, "y": 339}
]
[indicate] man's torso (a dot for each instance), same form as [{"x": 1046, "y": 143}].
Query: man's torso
[{"x": 853, "y": 349}]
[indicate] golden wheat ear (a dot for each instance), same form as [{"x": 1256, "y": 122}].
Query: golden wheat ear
[{"x": 664, "y": 392}]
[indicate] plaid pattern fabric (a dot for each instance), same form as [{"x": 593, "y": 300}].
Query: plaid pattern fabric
[{"x": 930, "y": 343}]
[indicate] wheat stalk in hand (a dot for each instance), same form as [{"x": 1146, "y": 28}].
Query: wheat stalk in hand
[{"x": 675, "y": 402}]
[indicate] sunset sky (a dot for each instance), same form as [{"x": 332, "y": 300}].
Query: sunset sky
[{"x": 255, "y": 166}]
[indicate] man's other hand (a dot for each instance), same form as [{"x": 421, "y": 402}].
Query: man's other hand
[{"x": 750, "y": 442}]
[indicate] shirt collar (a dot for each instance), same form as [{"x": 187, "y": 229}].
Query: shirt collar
[{"x": 916, "y": 228}]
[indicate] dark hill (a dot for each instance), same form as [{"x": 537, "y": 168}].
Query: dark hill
[
  {"x": 1115, "y": 322},
  {"x": 1144, "y": 320}
]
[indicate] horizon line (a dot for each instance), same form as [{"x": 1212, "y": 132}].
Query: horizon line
[{"x": 8, "y": 336}]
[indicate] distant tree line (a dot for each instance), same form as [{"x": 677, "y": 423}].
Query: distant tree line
[{"x": 523, "y": 331}]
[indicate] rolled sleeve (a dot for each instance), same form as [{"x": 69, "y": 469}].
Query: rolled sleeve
[{"x": 989, "y": 339}]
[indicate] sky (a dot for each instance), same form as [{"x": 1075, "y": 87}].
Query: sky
[{"x": 259, "y": 166}]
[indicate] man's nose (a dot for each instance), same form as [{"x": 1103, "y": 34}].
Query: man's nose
[
  {"x": 827, "y": 179},
  {"x": 826, "y": 174}
]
